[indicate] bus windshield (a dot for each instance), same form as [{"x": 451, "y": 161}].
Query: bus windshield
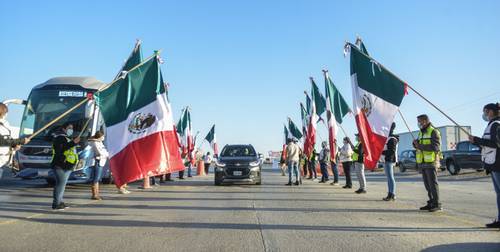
[{"x": 45, "y": 105}]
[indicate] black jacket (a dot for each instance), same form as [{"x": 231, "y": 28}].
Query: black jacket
[
  {"x": 390, "y": 152},
  {"x": 61, "y": 143},
  {"x": 493, "y": 142}
]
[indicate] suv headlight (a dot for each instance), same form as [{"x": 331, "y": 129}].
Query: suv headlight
[
  {"x": 255, "y": 163},
  {"x": 220, "y": 164}
]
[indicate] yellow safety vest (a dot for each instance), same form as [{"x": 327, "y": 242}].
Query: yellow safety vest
[
  {"x": 355, "y": 156},
  {"x": 426, "y": 156},
  {"x": 70, "y": 155}
]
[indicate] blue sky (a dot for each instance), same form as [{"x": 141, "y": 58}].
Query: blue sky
[{"x": 245, "y": 64}]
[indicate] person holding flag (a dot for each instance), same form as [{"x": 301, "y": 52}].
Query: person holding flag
[
  {"x": 391, "y": 157},
  {"x": 324, "y": 159},
  {"x": 358, "y": 158}
]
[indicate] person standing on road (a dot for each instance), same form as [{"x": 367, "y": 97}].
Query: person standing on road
[
  {"x": 390, "y": 157},
  {"x": 292, "y": 159},
  {"x": 207, "y": 161},
  {"x": 333, "y": 164},
  {"x": 428, "y": 148},
  {"x": 100, "y": 158},
  {"x": 64, "y": 159},
  {"x": 359, "y": 166},
  {"x": 324, "y": 159},
  {"x": 7, "y": 144},
  {"x": 312, "y": 165},
  {"x": 490, "y": 151},
  {"x": 345, "y": 157}
]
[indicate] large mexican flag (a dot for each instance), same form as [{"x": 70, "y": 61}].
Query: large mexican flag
[
  {"x": 377, "y": 95},
  {"x": 318, "y": 106},
  {"x": 294, "y": 130},
  {"x": 336, "y": 109},
  {"x": 138, "y": 118},
  {"x": 184, "y": 129}
]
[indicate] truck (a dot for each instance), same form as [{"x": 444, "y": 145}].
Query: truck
[
  {"x": 465, "y": 156},
  {"x": 45, "y": 102}
]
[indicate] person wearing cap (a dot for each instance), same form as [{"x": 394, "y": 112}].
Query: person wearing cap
[
  {"x": 292, "y": 159},
  {"x": 427, "y": 150},
  {"x": 490, "y": 151},
  {"x": 359, "y": 166},
  {"x": 324, "y": 159},
  {"x": 390, "y": 158}
]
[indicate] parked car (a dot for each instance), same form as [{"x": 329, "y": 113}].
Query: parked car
[
  {"x": 407, "y": 160},
  {"x": 466, "y": 155},
  {"x": 238, "y": 163}
]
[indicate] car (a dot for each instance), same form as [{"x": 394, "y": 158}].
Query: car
[
  {"x": 407, "y": 160},
  {"x": 466, "y": 155},
  {"x": 238, "y": 163}
]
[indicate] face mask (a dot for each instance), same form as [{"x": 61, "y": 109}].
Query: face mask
[
  {"x": 485, "y": 118},
  {"x": 420, "y": 126},
  {"x": 69, "y": 132}
]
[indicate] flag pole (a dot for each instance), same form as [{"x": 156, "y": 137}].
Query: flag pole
[
  {"x": 416, "y": 92},
  {"x": 86, "y": 99},
  {"x": 407, "y": 125}
]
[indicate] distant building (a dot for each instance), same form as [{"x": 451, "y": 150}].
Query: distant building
[{"x": 450, "y": 136}]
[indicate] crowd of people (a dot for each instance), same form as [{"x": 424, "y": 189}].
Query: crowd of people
[
  {"x": 427, "y": 145},
  {"x": 349, "y": 156}
]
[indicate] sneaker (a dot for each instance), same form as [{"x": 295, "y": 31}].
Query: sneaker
[
  {"x": 123, "y": 191},
  {"x": 360, "y": 191},
  {"x": 495, "y": 224},
  {"x": 347, "y": 187},
  {"x": 426, "y": 207},
  {"x": 64, "y": 205},
  {"x": 436, "y": 208},
  {"x": 296, "y": 183},
  {"x": 322, "y": 181},
  {"x": 390, "y": 197},
  {"x": 334, "y": 183},
  {"x": 60, "y": 207},
  {"x": 289, "y": 183}
]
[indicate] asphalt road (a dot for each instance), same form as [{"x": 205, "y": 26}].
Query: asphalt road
[{"x": 194, "y": 215}]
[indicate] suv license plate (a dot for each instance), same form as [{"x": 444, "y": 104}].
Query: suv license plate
[{"x": 237, "y": 173}]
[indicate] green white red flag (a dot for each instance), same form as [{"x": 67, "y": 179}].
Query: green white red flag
[
  {"x": 212, "y": 140},
  {"x": 139, "y": 124},
  {"x": 336, "y": 109},
  {"x": 377, "y": 95},
  {"x": 185, "y": 132}
]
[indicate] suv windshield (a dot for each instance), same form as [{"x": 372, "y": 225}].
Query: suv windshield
[
  {"x": 238, "y": 151},
  {"x": 45, "y": 105}
]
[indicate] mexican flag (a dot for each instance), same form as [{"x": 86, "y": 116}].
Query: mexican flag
[
  {"x": 303, "y": 115},
  {"x": 138, "y": 118},
  {"x": 212, "y": 140},
  {"x": 286, "y": 134},
  {"x": 307, "y": 117},
  {"x": 377, "y": 95},
  {"x": 134, "y": 59},
  {"x": 336, "y": 109},
  {"x": 294, "y": 130},
  {"x": 318, "y": 106},
  {"x": 185, "y": 132}
]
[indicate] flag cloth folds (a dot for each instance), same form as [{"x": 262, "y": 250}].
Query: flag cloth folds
[
  {"x": 184, "y": 130},
  {"x": 212, "y": 140},
  {"x": 377, "y": 95},
  {"x": 138, "y": 118},
  {"x": 303, "y": 115},
  {"x": 336, "y": 109},
  {"x": 133, "y": 60},
  {"x": 294, "y": 130},
  {"x": 286, "y": 135}
]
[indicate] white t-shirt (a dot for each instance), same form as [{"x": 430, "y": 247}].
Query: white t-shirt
[{"x": 100, "y": 151}]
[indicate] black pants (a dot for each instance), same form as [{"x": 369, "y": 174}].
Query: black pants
[
  {"x": 207, "y": 166},
  {"x": 431, "y": 184},
  {"x": 181, "y": 174},
  {"x": 347, "y": 171}
]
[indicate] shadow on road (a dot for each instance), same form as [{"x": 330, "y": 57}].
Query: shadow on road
[{"x": 462, "y": 247}]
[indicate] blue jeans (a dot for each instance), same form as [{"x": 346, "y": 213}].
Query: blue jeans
[
  {"x": 324, "y": 171},
  {"x": 293, "y": 165},
  {"x": 61, "y": 177},
  {"x": 97, "y": 173},
  {"x": 389, "y": 173},
  {"x": 495, "y": 176},
  {"x": 335, "y": 172}
]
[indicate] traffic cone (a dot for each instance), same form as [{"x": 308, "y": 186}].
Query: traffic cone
[{"x": 200, "y": 168}]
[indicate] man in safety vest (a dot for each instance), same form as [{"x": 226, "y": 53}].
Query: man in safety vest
[
  {"x": 359, "y": 166},
  {"x": 64, "y": 159},
  {"x": 428, "y": 148}
]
